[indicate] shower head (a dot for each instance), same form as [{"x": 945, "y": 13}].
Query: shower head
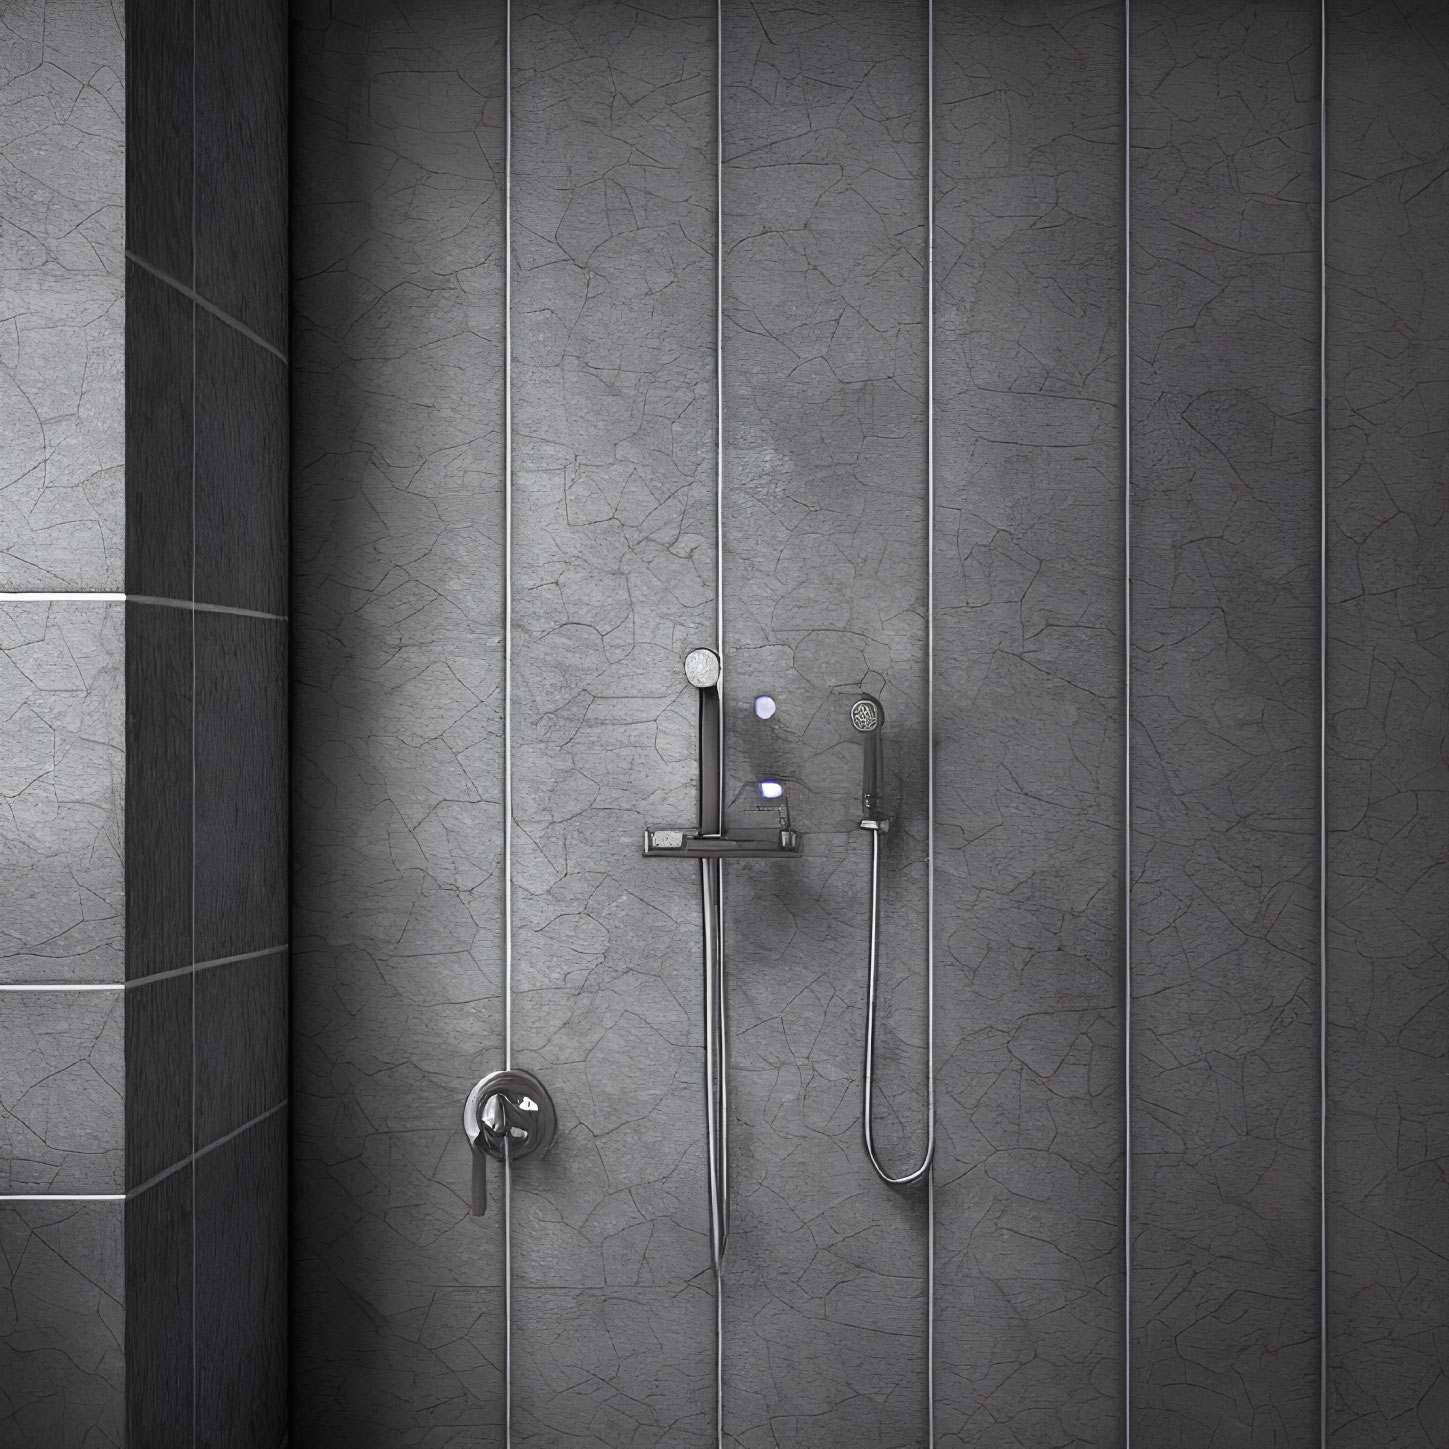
[
  {"x": 867, "y": 718},
  {"x": 702, "y": 668},
  {"x": 866, "y": 715}
]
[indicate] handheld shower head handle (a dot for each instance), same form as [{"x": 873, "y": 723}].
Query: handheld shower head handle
[
  {"x": 702, "y": 670},
  {"x": 868, "y": 719}
]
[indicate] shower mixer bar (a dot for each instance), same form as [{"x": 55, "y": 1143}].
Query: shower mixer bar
[{"x": 711, "y": 844}]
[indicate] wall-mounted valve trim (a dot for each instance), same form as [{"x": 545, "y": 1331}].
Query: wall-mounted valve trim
[{"x": 508, "y": 1116}]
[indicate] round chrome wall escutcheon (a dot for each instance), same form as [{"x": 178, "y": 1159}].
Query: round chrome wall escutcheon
[{"x": 509, "y": 1113}]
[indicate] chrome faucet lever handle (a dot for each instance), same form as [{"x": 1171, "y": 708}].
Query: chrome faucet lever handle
[{"x": 509, "y": 1115}]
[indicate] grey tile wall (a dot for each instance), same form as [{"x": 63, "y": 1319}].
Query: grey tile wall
[
  {"x": 62, "y": 1327},
  {"x": 398, "y": 763},
  {"x": 1224, "y": 727},
  {"x": 1029, "y": 675},
  {"x": 1388, "y": 801},
  {"x": 398, "y": 601},
  {"x": 824, "y": 533},
  {"x": 613, "y": 497},
  {"x": 63, "y": 781},
  {"x": 61, "y": 271},
  {"x": 61, "y": 1118}
]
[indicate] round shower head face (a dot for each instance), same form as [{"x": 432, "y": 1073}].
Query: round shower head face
[
  {"x": 701, "y": 668},
  {"x": 865, "y": 715}
]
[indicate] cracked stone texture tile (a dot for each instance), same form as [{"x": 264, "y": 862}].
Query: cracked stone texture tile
[
  {"x": 1388, "y": 782},
  {"x": 397, "y": 769},
  {"x": 61, "y": 1325},
  {"x": 624, "y": 1361},
  {"x": 62, "y": 291},
  {"x": 825, "y": 527},
  {"x": 62, "y": 1126},
  {"x": 1029, "y": 678},
  {"x": 62, "y": 783},
  {"x": 1224, "y": 723},
  {"x": 614, "y": 224}
]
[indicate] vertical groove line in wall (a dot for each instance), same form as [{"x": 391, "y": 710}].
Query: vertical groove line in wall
[
  {"x": 1127, "y": 724},
  {"x": 931, "y": 721},
  {"x": 192, "y": 952},
  {"x": 1323, "y": 724},
  {"x": 722, "y": 1208},
  {"x": 507, "y": 983}
]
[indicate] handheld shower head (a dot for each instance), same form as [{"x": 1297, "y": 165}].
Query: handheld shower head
[
  {"x": 868, "y": 718},
  {"x": 702, "y": 668}
]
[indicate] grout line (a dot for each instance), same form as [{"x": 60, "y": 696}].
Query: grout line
[
  {"x": 1323, "y": 724},
  {"x": 99, "y": 598},
  {"x": 73, "y": 598},
  {"x": 192, "y": 1158},
  {"x": 930, "y": 723},
  {"x": 507, "y": 642},
  {"x": 192, "y": 295},
  {"x": 64, "y": 986},
  {"x": 1127, "y": 724},
  {"x": 62, "y": 1197},
  {"x": 193, "y": 606},
  {"x": 201, "y": 966}
]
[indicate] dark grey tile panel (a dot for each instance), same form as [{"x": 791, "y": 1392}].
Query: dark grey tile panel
[
  {"x": 241, "y": 470},
  {"x": 62, "y": 1126},
  {"x": 158, "y": 1076},
  {"x": 158, "y": 788},
  {"x": 159, "y": 1300},
  {"x": 62, "y": 1325},
  {"x": 241, "y": 1043},
  {"x": 63, "y": 782},
  {"x": 62, "y": 168},
  {"x": 1388, "y": 674},
  {"x": 241, "y": 784},
  {"x": 241, "y": 1289},
  {"x": 241, "y": 163},
  {"x": 1224, "y": 723},
  {"x": 159, "y": 39},
  {"x": 825, "y": 566},
  {"x": 397, "y": 608},
  {"x": 159, "y": 442},
  {"x": 1029, "y": 681}
]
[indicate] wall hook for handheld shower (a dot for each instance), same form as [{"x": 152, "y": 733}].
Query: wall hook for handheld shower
[
  {"x": 868, "y": 718},
  {"x": 508, "y": 1116}
]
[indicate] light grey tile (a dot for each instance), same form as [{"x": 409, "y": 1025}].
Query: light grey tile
[
  {"x": 1388, "y": 844},
  {"x": 62, "y": 1326},
  {"x": 62, "y": 780},
  {"x": 1029, "y": 676},
  {"x": 61, "y": 271},
  {"x": 1224, "y": 723},
  {"x": 62, "y": 1126}
]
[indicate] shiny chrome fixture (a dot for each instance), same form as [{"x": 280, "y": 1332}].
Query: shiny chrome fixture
[
  {"x": 508, "y": 1116},
  {"x": 867, "y": 717}
]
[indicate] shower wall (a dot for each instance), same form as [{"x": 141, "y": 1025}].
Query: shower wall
[{"x": 399, "y": 564}]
